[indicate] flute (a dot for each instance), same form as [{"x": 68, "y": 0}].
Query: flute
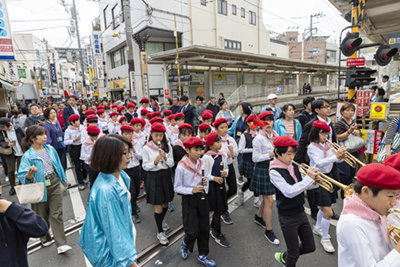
[
  {"x": 203, "y": 194},
  {"x": 221, "y": 169},
  {"x": 227, "y": 140},
  {"x": 159, "y": 147}
]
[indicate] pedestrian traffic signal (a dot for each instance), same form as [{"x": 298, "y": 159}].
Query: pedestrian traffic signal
[
  {"x": 350, "y": 44},
  {"x": 384, "y": 54},
  {"x": 358, "y": 77}
]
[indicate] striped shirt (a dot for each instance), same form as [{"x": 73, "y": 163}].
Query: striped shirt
[
  {"x": 48, "y": 168},
  {"x": 289, "y": 128}
]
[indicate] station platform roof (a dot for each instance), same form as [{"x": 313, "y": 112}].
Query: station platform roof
[{"x": 197, "y": 55}]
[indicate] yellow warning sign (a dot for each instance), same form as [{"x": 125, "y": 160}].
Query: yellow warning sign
[{"x": 378, "y": 111}]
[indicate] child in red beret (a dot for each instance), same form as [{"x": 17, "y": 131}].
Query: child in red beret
[
  {"x": 103, "y": 121},
  {"x": 174, "y": 134},
  {"x": 113, "y": 125},
  {"x": 185, "y": 131},
  {"x": 93, "y": 133},
  {"x": 140, "y": 137},
  {"x": 321, "y": 156}
]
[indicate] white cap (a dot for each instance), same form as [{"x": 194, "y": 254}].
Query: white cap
[{"x": 272, "y": 96}]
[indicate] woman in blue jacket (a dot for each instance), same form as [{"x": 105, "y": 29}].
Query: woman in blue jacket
[
  {"x": 108, "y": 234},
  {"x": 40, "y": 163},
  {"x": 286, "y": 124}
]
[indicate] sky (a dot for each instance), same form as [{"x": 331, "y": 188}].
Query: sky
[{"x": 49, "y": 19}]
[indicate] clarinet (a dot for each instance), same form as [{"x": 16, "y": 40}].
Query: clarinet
[
  {"x": 221, "y": 169},
  {"x": 203, "y": 194},
  {"x": 227, "y": 140},
  {"x": 159, "y": 147}
]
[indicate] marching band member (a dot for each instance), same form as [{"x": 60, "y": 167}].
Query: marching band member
[
  {"x": 130, "y": 113},
  {"x": 103, "y": 121},
  {"x": 114, "y": 108},
  {"x": 179, "y": 119},
  {"x": 93, "y": 133},
  {"x": 91, "y": 120},
  {"x": 113, "y": 124},
  {"x": 166, "y": 114},
  {"x": 207, "y": 117},
  {"x": 185, "y": 131}
]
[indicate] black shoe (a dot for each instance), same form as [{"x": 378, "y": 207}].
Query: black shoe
[
  {"x": 213, "y": 233},
  {"x": 314, "y": 216},
  {"x": 137, "y": 209},
  {"x": 12, "y": 191},
  {"x": 221, "y": 240},
  {"x": 240, "y": 180},
  {"x": 335, "y": 216},
  {"x": 135, "y": 218},
  {"x": 260, "y": 221},
  {"x": 226, "y": 218},
  {"x": 270, "y": 236}
]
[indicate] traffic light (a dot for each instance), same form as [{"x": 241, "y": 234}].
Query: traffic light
[
  {"x": 384, "y": 54},
  {"x": 359, "y": 77},
  {"x": 350, "y": 44}
]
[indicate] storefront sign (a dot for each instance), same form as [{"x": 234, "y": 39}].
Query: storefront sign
[
  {"x": 96, "y": 43},
  {"x": 166, "y": 93},
  {"x": 6, "y": 45},
  {"x": 363, "y": 98},
  {"x": 53, "y": 73},
  {"x": 89, "y": 56},
  {"x": 22, "y": 73},
  {"x": 197, "y": 78},
  {"x": 117, "y": 84}
]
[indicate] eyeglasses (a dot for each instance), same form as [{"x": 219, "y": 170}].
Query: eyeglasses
[{"x": 128, "y": 154}]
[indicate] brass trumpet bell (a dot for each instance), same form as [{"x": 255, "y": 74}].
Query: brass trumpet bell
[
  {"x": 394, "y": 232},
  {"x": 350, "y": 159}
]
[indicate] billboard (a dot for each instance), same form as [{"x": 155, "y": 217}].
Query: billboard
[{"x": 6, "y": 44}]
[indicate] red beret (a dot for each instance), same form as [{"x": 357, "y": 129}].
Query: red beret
[
  {"x": 207, "y": 114},
  {"x": 143, "y": 122},
  {"x": 192, "y": 142},
  {"x": 89, "y": 112},
  {"x": 210, "y": 138},
  {"x": 156, "y": 114},
  {"x": 114, "y": 106},
  {"x": 167, "y": 111},
  {"x": 126, "y": 128},
  {"x": 136, "y": 120},
  {"x": 149, "y": 115},
  {"x": 178, "y": 115},
  {"x": 107, "y": 106},
  {"x": 285, "y": 141},
  {"x": 100, "y": 111},
  {"x": 158, "y": 128},
  {"x": 113, "y": 114},
  {"x": 123, "y": 117},
  {"x": 131, "y": 105},
  {"x": 145, "y": 100},
  {"x": 185, "y": 126},
  {"x": 378, "y": 176},
  {"x": 219, "y": 121},
  {"x": 144, "y": 111},
  {"x": 100, "y": 107},
  {"x": 264, "y": 114},
  {"x": 204, "y": 126},
  {"x": 171, "y": 117},
  {"x": 91, "y": 117},
  {"x": 250, "y": 118},
  {"x": 121, "y": 108},
  {"x": 73, "y": 117},
  {"x": 321, "y": 125},
  {"x": 93, "y": 129},
  {"x": 393, "y": 161},
  {"x": 156, "y": 119},
  {"x": 133, "y": 102}
]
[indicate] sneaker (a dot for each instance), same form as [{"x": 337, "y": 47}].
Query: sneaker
[
  {"x": 260, "y": 221},
  {"x": 69, "y": 184},
  {"x": 165, "y": 226},
  {"x": 48, "y": 243},
  {"x": 144, "y": 192},
  {"x": 327, "y": 245},
  {"x": 213, "y": 233},
  {"x": 171, "y": 207},
  {"x": 240, "y": 180},
  {"x": 240, "y": 197},
  {"x": 256, "y": 202},
  {"x": 162, "y": 238},
  {"x": 203, "y": 259},
  {"x": 81, "y": 187},
  {"x": 12, "y": 191},
  {"x": 86, "y": 181},
  {"x": 135, "y": 218},
  {"x": 183, "y": 252},
  {"x": 270, "y": 236},
  {"x": 226, "y": 218},
  {"x": 141, "y": 185},
  {"x": 7, "y": 179},
  {"x": 63, "y": 249},
  {"x": 279, "y": 258},
  {"x": 137, "y": 209},
  {"x": 319, "y": 232},
  {"x": 221, "y": 240}
]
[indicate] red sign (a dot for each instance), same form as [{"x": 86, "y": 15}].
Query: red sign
[
  {"x": 377, "y": 140},
  {"x": 357, "y": 61},
  {"x": 166, "y": 93},
  {"x": 363, "y": 97}
]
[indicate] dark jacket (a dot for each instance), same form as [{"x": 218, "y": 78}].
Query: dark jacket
[
  {"x": 53, "y": 134},
  {"x": 190, "y": 114},
  {"x": 68, "y": 111},
  {"x": 305, "y": 117},
  {"x": 20, "y": 133},
  {"x": 301, "y": 154},
  {"x": 31, "y": 120},
  {"x": 17, "y": 225},
  {"x": 175, "y": 109},
  {"x": 214, "y": 108}
]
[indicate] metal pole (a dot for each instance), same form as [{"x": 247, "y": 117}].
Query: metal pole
[
  {"x": 80, "y": 50},
  {"x": 340, "y": 59},
  {"x": 129, "y": 44},
  {"x": 311, "y": 49}
]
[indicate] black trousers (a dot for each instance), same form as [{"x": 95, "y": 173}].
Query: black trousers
[
  {"x": 92, "y": 174},
  {"x": 231, "y": 181},
  {"x": 134, "y": 189},
  {"x": 293, "y": 228},
  {"x": 80, "y": 170},
  {"x": 195, "y": 222},
  {"x": 4, "y": 163}
]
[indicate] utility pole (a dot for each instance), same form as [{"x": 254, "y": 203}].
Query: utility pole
[
  {"x": 48, "y": 63},
  {"x": 80, "y": 50},
  {"x": 129, "y": 44},
  {"x": 37, "y": 85},
  {"x": 311, "y": 48}
]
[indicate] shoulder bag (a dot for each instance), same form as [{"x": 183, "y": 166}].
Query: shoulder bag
[
  {"x": 30, "y": 193},
  {"x": 353, "y": 143},
  {"x": 6, "y": 151}
]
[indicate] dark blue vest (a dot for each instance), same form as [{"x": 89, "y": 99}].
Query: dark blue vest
[
  {"x": 249, "y": 144},
  {"x": 216, "y": 169}
]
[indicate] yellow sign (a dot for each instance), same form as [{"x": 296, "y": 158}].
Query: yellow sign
[
  {"x": 117, "y": 84},
  {"x": 40, "y": 85},
  {"x": 220, "y": 78},
  {"x": 91, "y": 74},
  {"x": 378, "y": 111}
]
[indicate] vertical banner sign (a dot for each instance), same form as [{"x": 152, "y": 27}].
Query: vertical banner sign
[
  {"x": 377, "y": 140},
  {"x": 13, "y": 71},
  {"x": 89, "y": 56},
  {"x": 166, "y": 94},
  {"x": 6, "y": 46},
  {"x": 91, "y": 75},
  {"x": 99, "y": 68},
  {"x": 96, "y": 43},
  {"x": 374, "y": 137},
  {"x": 53, "y": 73},
  {"x": 363, "y": 97}
]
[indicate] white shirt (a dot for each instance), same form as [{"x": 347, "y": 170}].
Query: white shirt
[
  {"x": 111, "y": 128},
  {"x": 141, "y": 140},
  {"x": 242, "y": 145},
  {"x": 134, "y": 161},
  {"x": 84, "y": 135},
  {"x": 86, "y": 152},
  {"x": 103, "y": 125},
  {"x": 262, "y": 146},
  {"x": 290, "y": 191},
  {"x": 184, "y": 180},
  {"x": 328, "y": 121},
  {"x": 317, "y": 159},
  {"x": 225, "y": 148},
  {"x": 386, "y": 86},
  {"x": 139, "y": 109},
  {"x": 361, "y": 244},
  {"x": 209, "y": 163},
  {"x": 149, "y": 156},
  {"x": 70, "y": 135},
  {"x": 173, "y": 138},
  {"x": 75, "y": 110}
]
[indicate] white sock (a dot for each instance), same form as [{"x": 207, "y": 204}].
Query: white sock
[
  {"x": 256, "y": 199},
  {"x": 325, "y": 228},
  {"x": 319, "y": 218}
]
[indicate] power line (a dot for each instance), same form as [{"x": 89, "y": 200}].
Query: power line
[
  {"x": 41, "y": 29},
  {"x": 40, "y": 11},
  {"x": 30, "y": 20}
]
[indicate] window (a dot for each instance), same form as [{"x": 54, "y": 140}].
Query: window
[
  {"x": 122, "y": 11},
  {"x": 107, "y": 16},
  {"x": 252, "y": 17},
  {"x": 156, "y": 47},
  {"x": 274, "y": 55},
  {"x": 118, "y": 58},
  {"x": 317, "y": 51},
  {"x": 203, "y": 2},
  {"x": 331, "y": 56},
  {"x": 233, "y": 45},
  {"x": 116, "y": 15},
  {"x": 222, "y": 7},
  {"x": 243, "y": 12},
  {"x": 292, "y": 39},
  {"x": 233, "y": 10}
]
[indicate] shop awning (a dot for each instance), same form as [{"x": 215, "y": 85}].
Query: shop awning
[
  {"x": 7, "y": 86},
  {"x": 55, "y": 96}
]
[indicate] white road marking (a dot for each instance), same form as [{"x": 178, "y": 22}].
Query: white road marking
[{"x": 70, "y": 176}]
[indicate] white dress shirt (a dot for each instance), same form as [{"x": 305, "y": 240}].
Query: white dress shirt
[
  {"x": 209, "y": 163},
  {"x": 141, "y": 140},
  {"x": 184, "y": 180},
  {"x": 262, "y": 146},
  {"x": 103, "y": 125},
  {"x": 242, "y": 145},
  {"x": 76, "y": 111},
  {"x": 288, "y": 190},
  {"x": 86, "y": 152},
  {"x": 225, "y": 148},
  {"x": 134, "y": 161},
  {"x": 361, "y": 244},
  {"x": 173, "y": 138},
  {"x": 317, "y": 159},
  {"x": 111, "y": 128},
  {"x": 70, "y": 135},
  {"x": 149, "y": 156}
]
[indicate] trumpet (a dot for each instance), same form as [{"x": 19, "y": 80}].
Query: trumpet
[
  {"x": 327, "y": 182},
  {"x": 393, "y": 230},
  {"x": 350, "y": 159},
  {"x": 395, "y": 212}
]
